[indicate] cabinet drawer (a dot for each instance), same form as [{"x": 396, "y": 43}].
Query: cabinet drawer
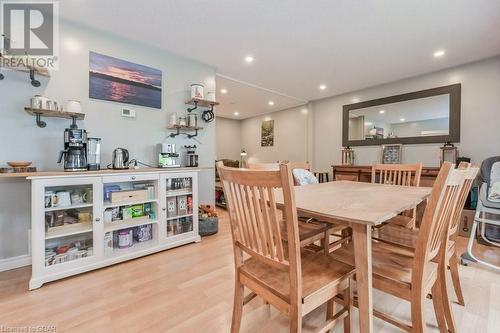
[{"x": 130, "y": 178}]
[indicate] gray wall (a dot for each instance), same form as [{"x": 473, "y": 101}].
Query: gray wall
[
  {"x": 292, "y": 136},
  {"x": 22, "y": 140},
  {"x": 480, "y": 132},
  {"x": 228, "y": 138}
]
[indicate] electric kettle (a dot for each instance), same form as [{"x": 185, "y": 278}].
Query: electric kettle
[{"x": 120, "y": 159}]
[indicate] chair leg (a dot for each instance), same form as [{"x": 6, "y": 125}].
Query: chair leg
[
  {"x": 437, "y": 301},
  {"x": 455, "y": 278},
  {"x": 348, "y": 299},
  {"x": 445, "y": 298},
  {"x": 417, "y": 313},
  {"x": 295, "y": 320},
  {"x": 237, "y": 306}
]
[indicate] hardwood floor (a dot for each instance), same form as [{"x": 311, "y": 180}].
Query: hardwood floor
[{"x": 190, "y": 289}]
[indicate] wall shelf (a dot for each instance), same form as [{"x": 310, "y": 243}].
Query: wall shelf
[
  {"x": 38, "y": 113},
  {"x": 179, "y": 128},
  {"x": 26, "y": 69},
  {"x": 208, "y": 115}
]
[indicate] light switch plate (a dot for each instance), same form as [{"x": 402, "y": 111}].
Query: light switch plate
[{"x": 128, "y": 113}]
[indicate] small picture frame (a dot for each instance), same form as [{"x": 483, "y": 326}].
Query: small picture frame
[{"x": 392, "y": 154}]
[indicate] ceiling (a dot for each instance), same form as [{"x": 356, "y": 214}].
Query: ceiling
[{"x": 298, "y": 45}]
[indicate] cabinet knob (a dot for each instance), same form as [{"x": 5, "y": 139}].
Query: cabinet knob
[
  {"x": 98, "y": 219},
  {"x": 133, "y": 177},
  {"x": 163, "y": 209}
]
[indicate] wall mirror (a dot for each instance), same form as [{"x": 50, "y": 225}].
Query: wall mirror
[{"x": 427, "y": 116}]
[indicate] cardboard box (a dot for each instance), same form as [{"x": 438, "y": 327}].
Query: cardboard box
[
  {"x": 128, "y": 196},
  {"x": 466, "y": 220}
]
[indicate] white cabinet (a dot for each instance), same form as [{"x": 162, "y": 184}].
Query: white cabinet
[
  {"x": 65, "y": 211},
  {"x": 84, "y": 223},
  {"x": 179, "y": 199}
]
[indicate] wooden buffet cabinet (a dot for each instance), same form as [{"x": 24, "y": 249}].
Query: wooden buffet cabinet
[{"x": 363, "y": 173}]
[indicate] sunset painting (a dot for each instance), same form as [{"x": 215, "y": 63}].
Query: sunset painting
[{"x": 117, "y": 80}]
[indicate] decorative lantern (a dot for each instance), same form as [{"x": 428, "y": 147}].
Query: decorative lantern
[
  {"x": 243, "y": 155},
  {"x": 347, "y": 156},
  {"x": 449, "y": 153}
]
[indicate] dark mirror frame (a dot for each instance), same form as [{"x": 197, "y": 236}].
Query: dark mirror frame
[{"x": 454, "y": 92}]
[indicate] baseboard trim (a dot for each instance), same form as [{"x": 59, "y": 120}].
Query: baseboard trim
[{"x": 15, "y": 262}]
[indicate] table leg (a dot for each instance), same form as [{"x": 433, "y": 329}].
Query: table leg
[{"x": 362, "y": 238}]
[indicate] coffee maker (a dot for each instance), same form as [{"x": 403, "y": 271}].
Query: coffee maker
[
  {"x": 191, "y": 156},
  {"x": 167, "y": 155},
  {"x": 75, "y": 150}
]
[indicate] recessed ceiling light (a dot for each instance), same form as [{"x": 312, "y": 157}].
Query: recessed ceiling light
[
  {"x": 439, "y": 53},
  {"x": 402, "y": 119},
  {"x": 236, "y": 113},
  {"x": 322, "y": 87},
  {"x": 249, "y": 59},
  {"x": 270, "y": 103},
  {"x": 223, "y": 91},
  {"x": 381, "y": 111}
]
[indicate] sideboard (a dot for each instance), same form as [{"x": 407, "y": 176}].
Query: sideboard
[{"x": 363, "y": 173}]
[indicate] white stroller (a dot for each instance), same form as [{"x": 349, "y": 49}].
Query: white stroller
[{"x": 487, "y": 218}]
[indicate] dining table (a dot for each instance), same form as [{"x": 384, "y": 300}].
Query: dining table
[{"x": 360, "y": 206}]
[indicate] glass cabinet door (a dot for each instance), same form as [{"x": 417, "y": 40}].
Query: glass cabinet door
[
  {"x": 68, "y": 221},
  {"x": 180, "y": 205}
]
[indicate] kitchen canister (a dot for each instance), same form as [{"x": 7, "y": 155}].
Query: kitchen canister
[
  {"x": 74, "y": 106},
  {"x": 192, "y": 120},
  {"x": 125, "y": 238},
  {"x": 197, "y": 91}
]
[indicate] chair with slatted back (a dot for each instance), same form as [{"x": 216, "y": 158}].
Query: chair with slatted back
[
  {"x": 401, "y": 175},
  {"x": 407, "y": 238},
  {"x": 309, "y": 231},
  {"x": 291, "y": 279},
  {"x": 412, "y": 276}
]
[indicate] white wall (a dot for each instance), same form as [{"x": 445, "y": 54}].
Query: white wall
[
  {"x": 227, "y": 138},
  {"x": 480, "y": 117},
  {"x": 22, "y": 140},
  {"x": 292, "y": 136}
]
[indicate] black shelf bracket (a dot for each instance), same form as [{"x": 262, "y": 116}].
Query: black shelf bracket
[
  {"x": 173, "y": 135},
  {"x": 193, "y": 135},
  {"x": 39, "y": 121},
  {"x": 194, "y": 108}
]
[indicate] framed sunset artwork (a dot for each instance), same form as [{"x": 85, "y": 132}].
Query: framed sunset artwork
[{"x": 116, "y": 80}]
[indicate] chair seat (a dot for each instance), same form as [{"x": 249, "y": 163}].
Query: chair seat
[
  {"x": 401, "y": 236},
  {"x": 396, "y": 234},
  {"x": 401, "y": 220},
  {"x": 391, "y": 265},
  {"x": 309, "y": 232},
  {"x": 319, "y": 274}
]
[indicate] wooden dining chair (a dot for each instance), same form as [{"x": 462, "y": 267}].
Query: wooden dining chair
[
  {"x": 401, "y": 175},
  {"x": 407, "y": 238},
  {"x": 310, "y": 231},
  {"x": 412, "y": 276},
  {"x": 294, "y": 281}
]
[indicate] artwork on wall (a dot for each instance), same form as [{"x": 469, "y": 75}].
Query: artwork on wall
[
  {"x": 267, "y": 133},
  {"x": 392, "y": 154},
  {"x": 116, "y": 80}
]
